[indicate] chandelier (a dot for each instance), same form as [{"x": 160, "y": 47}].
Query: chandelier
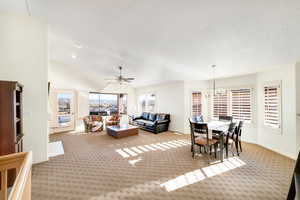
[{"x": 214, "y": 90}]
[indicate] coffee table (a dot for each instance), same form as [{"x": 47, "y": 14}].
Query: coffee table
[{"x": 120, "y": 131}]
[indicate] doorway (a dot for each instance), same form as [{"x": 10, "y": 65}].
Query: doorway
[{"x": 63, "y": 111}]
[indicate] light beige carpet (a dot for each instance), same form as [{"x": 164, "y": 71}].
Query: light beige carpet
[{"x": 149, "y": 166}]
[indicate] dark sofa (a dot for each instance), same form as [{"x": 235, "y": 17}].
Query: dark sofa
[{"x": 154, "y": 122}]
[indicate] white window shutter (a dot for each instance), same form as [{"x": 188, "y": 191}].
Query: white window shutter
[
  {"x": 272, "y": 101},
  {"x": 241, "y": 104},
  {"x": 196, "y": 103}
]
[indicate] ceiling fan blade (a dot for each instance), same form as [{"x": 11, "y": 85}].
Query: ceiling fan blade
[{"x": 129, "y": 79}]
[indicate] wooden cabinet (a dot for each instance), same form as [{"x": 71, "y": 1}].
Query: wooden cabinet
[{"x": 11, "y": 120}]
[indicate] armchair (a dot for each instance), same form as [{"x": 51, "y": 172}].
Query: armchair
[
  {"x": 93, "y": 123},
  {"x": 113, "y": 120}
]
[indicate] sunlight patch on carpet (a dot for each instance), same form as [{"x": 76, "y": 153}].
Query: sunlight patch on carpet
[
  {"x": 201, "y": 174},
  {"x": 161, "y": 146}
]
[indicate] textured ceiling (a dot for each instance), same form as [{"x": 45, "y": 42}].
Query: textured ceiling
[{"x": 158, "y": 41}]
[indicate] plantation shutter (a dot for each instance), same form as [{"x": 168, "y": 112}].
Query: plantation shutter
[
  {"x": 196, "y": 103},
  {"x": 220, "y": 104},
  {"x": 272, "y": 105},
  {"x": 241, "y": 104}
]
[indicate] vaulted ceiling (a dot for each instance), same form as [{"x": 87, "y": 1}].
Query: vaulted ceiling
[{"x": 158, "y": 41}]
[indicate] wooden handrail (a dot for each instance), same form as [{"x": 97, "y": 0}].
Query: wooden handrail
[{"x": 21, "y": 189}]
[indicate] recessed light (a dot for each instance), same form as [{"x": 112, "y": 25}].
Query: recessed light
[{"x": 74, "y": 56}]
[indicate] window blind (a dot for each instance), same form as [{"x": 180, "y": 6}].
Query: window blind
[
  {"x": 220, "y": 104},
  {"x": 196, "y": 103},
  {"x": 241, "y": 104},
  {"x": 272, "y": 106}
]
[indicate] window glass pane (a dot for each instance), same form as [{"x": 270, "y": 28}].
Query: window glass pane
[
  {"x": 108, "y": 104},
  {"x": 147, "y": 102},
  {"x": 151, "y": 102},
  {"x": 94, "y": 103},
  {"x": 123, "y": 104},
  {"x": 142, "y": 102},
  {"x": 64, "y": 103},
  {"x": 64, "y": 121},
  {"x": 103, "y": 104}
]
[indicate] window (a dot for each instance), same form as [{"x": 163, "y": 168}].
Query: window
[
  {"x": 235, "y": 103},
  {"x": 123, "y": 104},
  {"x": 220, "y": 104},
  {"x": 196, "y": 104},
  {"x": 241, "y": 104},
  {"x": 65, "y": 108},
  {"x": 147, "y": 102},
  {"x": 64, "y": 103},
  {"x": 104, "y": 104},
  {"x": 272, "y": 102}
]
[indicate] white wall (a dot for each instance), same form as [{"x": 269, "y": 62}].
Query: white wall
[
  {"x": 169, "y": 99},
  {"x": 283, "y": 141},
  {"x": 23, "y": 58}
]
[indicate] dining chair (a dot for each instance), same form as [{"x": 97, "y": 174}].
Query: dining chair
[
  {"x": 193, "y": 136},
  {"x": 198, "y": 118},
  {"x": 201, "y": 141},
  {"x": 239, "y": 136},
  {"x": 197, "y": 128},
  {"x": 229, "y": 135},
  {"x": 295, "y": 183},
  {"x": 225, "y": 118}
]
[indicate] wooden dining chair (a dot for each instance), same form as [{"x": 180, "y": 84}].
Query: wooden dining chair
[
  {"x": 203, "y": 139},
  {"x": 238, "y": 142},
  {"x": 295, "y": 183},
  {"x": 229, "y": 135},
  {"x": 237, "y": 138},
  {"x": 193, "y": 138}
]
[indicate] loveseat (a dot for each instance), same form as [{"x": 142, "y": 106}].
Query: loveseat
[{"x": 154, "y": 122}]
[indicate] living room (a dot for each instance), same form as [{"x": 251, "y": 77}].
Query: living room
[{"x": 149, "y": 100}]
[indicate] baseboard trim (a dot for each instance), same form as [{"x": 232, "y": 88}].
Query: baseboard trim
[{"x": 178, "y": 132}]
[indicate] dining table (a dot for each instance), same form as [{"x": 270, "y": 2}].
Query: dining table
[{"x": 216, "y": 130}]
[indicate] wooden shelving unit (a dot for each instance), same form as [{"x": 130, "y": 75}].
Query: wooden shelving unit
[{"x": 11, "y": 121}]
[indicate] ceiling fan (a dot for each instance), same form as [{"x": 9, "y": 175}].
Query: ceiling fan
[{"x": 120, "y": 78}]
